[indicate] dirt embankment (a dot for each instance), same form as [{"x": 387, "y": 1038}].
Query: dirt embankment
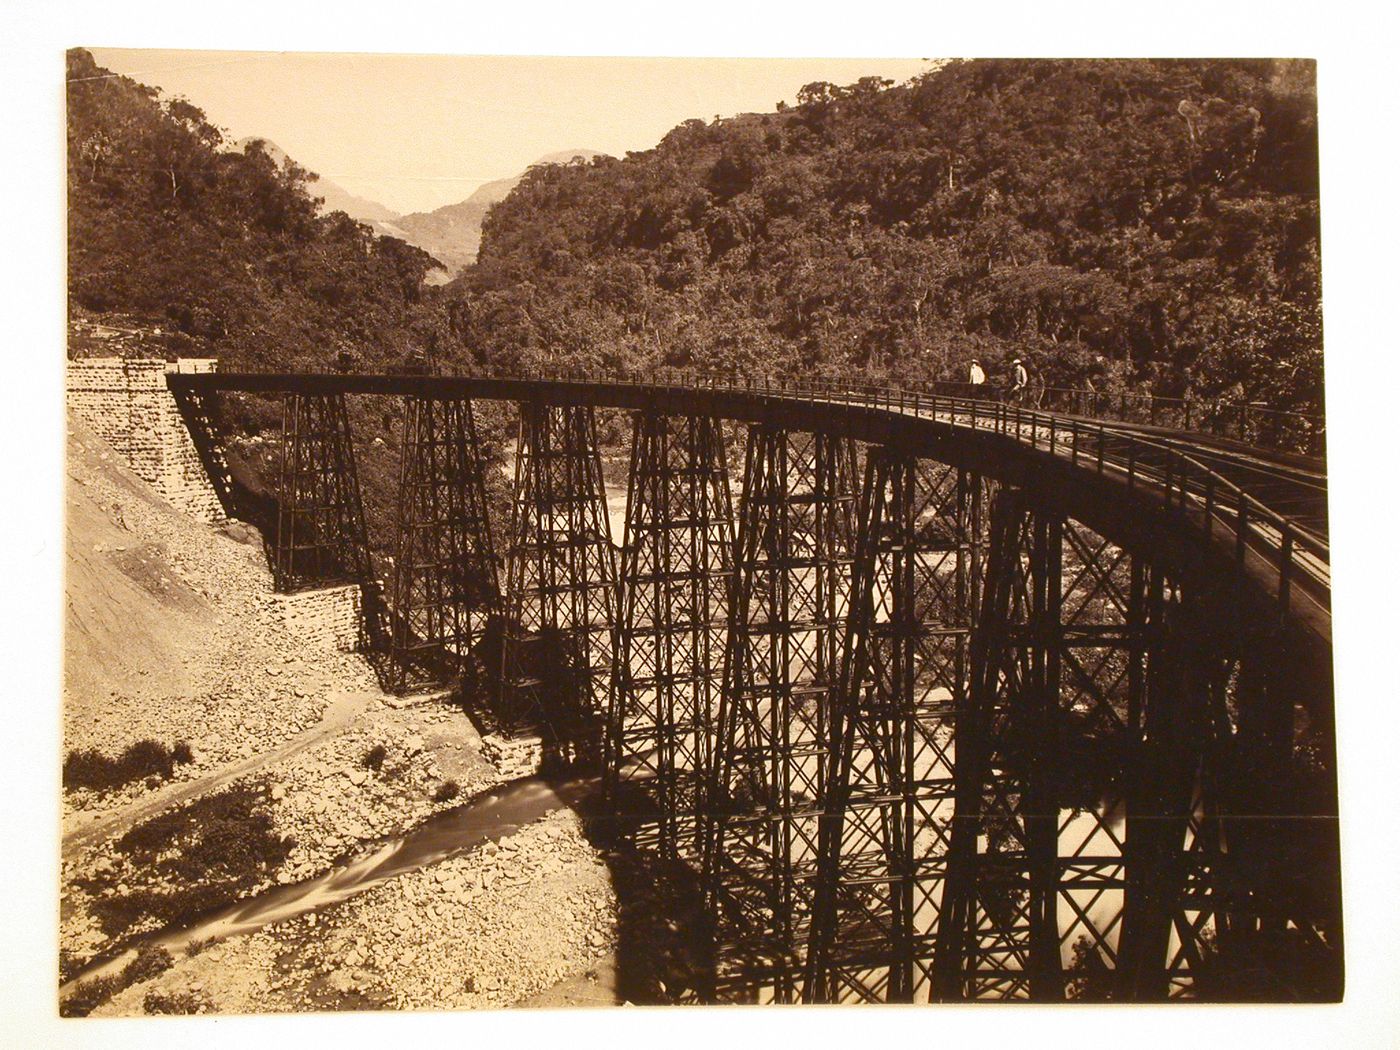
[{"x": 171, "y": 637}]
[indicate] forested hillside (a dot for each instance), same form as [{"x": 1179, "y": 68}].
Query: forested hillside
[
  {"x": 1127, "y": 223},
  {"x": 220, "y": 248}
]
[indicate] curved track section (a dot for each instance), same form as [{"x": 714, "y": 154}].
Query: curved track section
[{"x": 1262, "y": 515}]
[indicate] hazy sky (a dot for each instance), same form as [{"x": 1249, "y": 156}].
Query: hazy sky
[{"x": 418, "y": 131}]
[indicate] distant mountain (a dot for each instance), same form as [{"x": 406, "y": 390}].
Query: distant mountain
[
  {"x": 452, "y": 233},
  {"x": 336, "y": 197}
]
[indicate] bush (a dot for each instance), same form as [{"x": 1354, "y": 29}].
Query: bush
[
  {"x": 446, "y": 791},
  {"x": 89, "y": 995},
  {"x": 374, "y": 757},
  {"x": 207, "y": 854},
  {"x": 69, "y": 965},
  {"x": 171, "y": 1003},
  {"x": 151, "y": 960},
  {"x": 142, "y": 760}
]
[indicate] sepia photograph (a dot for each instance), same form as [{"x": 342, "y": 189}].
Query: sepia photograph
[
  {"x": 706, "y": 533},
  {"x": 760, "y": 531}
]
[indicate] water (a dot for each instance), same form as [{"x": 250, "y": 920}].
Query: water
[{"x": 487, "y": 818}]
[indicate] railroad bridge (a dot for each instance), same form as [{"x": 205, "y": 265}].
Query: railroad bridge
[{"x": 938, "y": 698}]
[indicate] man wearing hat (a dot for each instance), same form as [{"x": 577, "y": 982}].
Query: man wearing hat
[{"x": 1019, "y": 379}]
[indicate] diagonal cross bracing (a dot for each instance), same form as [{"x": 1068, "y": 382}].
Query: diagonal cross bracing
[
  {"x": 445, "y": 588},
  {"x": 669, "y": 645},
  {"x": 1039, "y": 881},
  {"x": 888, "y": 809},
  {"x": 788, "y": 606},
  {"x": 321, "y": 535},
  {"x": 560, "y": 584}
]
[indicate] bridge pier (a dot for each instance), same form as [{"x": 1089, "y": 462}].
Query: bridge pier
[
  {"x": 669, "y": 644},
  {"x": 1172, "y": 842},
  {"x": 1038, "y": 864},
  {"x": 560, "y": 584},
  {"x": 887, "y": 814},
  {"x": 321, "y": 535},
  {"x": 1054, "y": 771},
  {"x": 791, "y": 582},
  {"x": 444, "y": 591}
]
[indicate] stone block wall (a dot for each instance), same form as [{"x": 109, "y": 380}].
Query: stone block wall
[
  {"x": 327, "y": 618},
  {"x": 126, "y": 401}
]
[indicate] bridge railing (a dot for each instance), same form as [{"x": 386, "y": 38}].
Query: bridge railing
[
  {"x": 1249, "y": 422},
  {"x": 1202, "y": 499}
]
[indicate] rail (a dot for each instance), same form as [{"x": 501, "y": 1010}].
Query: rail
[{"x": 1206, "y": 503}]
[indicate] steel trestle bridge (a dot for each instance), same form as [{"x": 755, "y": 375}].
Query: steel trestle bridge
[{"x": 939, "y": 698}]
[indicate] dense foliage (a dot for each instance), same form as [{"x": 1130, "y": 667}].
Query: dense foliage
[
  {"x": 145, "y": 758},
  {"x": 1150, "y": 224},
  {"x": 189, "y": 861},
  {"x": 220, "y": 248}
]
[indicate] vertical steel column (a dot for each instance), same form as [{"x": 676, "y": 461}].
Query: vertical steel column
[
  {"x": 321, "y": 534},
  {"x": 1038, "y": 870},
  {"x": 560, "y": 584},
  {"x": 976, "y": 932},
  {"x": 669, "y": 644},
  {"x": 788, "y": 605},
  {"x": 444, "y": 588},
  {"x": 887, "y": 817},
  {"x": 1033, "y": 707},
  {"x": 1172, "y": 838}
]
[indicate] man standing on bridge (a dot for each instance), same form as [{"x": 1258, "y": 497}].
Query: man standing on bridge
[
  {"x": 975, "y": 375},
  {"x": 1019, "y": 379}
]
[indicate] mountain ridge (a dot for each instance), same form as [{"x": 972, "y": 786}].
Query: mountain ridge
[{"x": 450, "y": 233}]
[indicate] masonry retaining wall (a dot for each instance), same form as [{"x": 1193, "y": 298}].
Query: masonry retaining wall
[
  {"x": 126, "y": 401},
  {"x": 327, "y": 618}
]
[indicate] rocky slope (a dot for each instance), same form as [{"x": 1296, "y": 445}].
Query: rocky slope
[{"x": 171, "y": 636}]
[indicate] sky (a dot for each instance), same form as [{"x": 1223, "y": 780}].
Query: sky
[{"x": 415, "y": 132}]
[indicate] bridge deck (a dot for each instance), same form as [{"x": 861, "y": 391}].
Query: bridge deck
[{"x": 1266, "y": 511}]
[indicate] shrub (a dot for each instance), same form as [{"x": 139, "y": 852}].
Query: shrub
[
  {"x": 142, "y": 760},
  {"x": 171, "y": 1003},
  {"x": 69, "y": 965},
  {"x": 89, "y": 995},
  {"x": 207, "y": 854},
  {"x": 374, "y": 757},
  {"x": 146, "y": 758},
  {"x": 446, "y": 791},
  {"x": 151, "y": 960},
  {"x": 181, "y": 753}
]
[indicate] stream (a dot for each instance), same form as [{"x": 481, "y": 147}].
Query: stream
[{"x": 490, "y": 817}]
